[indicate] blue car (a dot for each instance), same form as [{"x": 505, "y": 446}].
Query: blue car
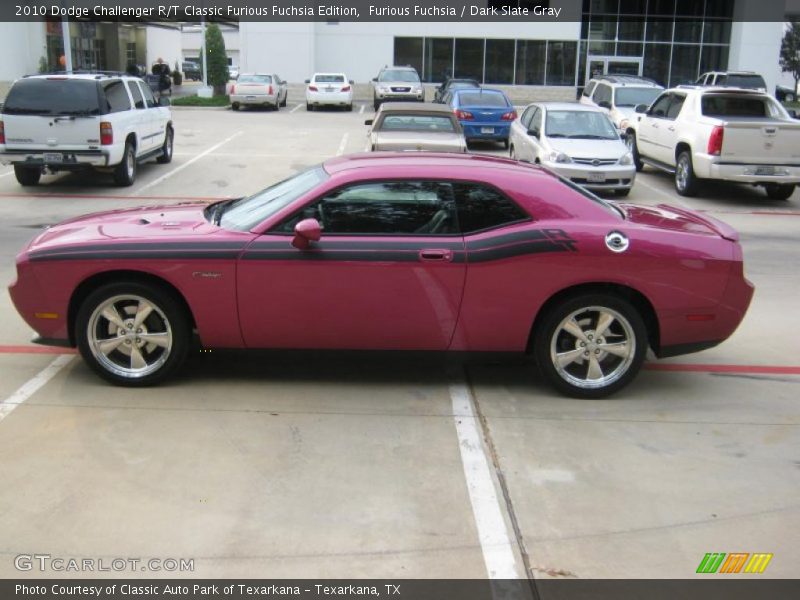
[{"x": 484, "y": 114}]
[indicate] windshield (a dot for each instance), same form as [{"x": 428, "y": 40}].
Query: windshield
[
  {"x": 329, "y": 78},
  {"x": 482, "y": 99},
  {"x": 579, "y": 125},
  {"x": 632, "y": 96},
  {"x": 255, "y": 79},
  {"x": 246, "y": 213},
  {"x": 399, "y": 75},
  {"x": 56, "y": 96},
  {"x": 417, "y": 123},
  {"x": 743, "y": 81}
]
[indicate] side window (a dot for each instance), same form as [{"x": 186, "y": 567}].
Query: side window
[
  {"x": 116, "y": 96},
  {"x": 149, "y": 98},
  {"x": 602, "y": 94},
  {"x": 675, "y": 106},
  {"x": 536, "y": 121},
  {"x": 481, "y": 207},
  {"x": 526, "y": 116},
  {"x": 138, "y": 99},
  {"x": 660, "y": 106},
  {"x": 701, "y": 80},
  {"x": 383, "y": 208},
  {"x": 587, "y": 91}
]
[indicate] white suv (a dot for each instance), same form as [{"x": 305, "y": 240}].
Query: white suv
[
  {"x": 71, "y": 122},
  {"x": 619, "y": 95}
]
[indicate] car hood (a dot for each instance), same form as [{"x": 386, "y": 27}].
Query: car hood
[
  {"x": 145, "y": 222},
  {"x": 624, "y": 112},
  {"x": 673, "y": 218},
  {"x": 415, "y": 140},
  {"x": 606, "y": 149}
]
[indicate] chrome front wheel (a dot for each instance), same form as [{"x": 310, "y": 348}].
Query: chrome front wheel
[{"x": 132, "y": 334}]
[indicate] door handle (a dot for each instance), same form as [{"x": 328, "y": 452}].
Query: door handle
[{"x": 436, "y": 255}]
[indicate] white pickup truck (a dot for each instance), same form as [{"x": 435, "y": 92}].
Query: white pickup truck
[
  {"x": 72, "y": 122},
  {"x": 726, "y": 134}
]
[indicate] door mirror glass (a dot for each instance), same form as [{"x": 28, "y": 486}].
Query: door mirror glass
[
  {"x": 162, "y": 101},
  {"x": 534, "y": 132},
  {"x": 305, "y": 232},
  {"x": 368, "y": 122},
  {"x": 641, "y": 108},
  {"x": 604, "y": 104},
  {"x": 375, "y": 79}
]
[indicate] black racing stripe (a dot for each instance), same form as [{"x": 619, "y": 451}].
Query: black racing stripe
[
  {"x": 499, "y": 240},
  {"x": 114, "y": 249},
  {"x": 342, "y": 255},
  {"x": 516, "y": 250},
  {"x": 330, "y": 244},
  {"x": 136, "y": 255}
]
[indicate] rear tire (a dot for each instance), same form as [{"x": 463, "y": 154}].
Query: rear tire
[
  {"x": 309, "y": 107},
  {"x": 124, "y": 348},
  {"x": 779, "y": 191},
  {"x": 350, "y": 107},
  {"x": 235, "y": 106},
  {"x": 166, "y": 149},
  {"x": 125, "y": 171},
  {"x": 590, "y": 346},
  {"x": 27, "y": 175},
  {"x": 686, "y": 182},
  {"x": 285, "y": 99}
]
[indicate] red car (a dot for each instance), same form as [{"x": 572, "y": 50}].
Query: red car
[{"x": 391, "y": 252}]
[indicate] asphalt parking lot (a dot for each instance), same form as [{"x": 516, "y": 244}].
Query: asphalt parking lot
[{"x": 321, "y": 465}]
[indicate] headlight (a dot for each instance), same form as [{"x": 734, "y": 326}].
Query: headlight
[
  {"x": 418, "y": 90},
  {"x": 383, "y": 88},
  {"x": 623, "y": 125},
  {"x": 559, "y": 157},
  {"x": 626, "y": 159}
]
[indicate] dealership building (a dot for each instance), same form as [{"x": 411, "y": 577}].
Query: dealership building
[{"x": 669, "y": 41}]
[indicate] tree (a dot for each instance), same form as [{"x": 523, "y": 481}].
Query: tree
[
  {"x": 790, "y": 52},
  {"x": 216, "y": 59}
]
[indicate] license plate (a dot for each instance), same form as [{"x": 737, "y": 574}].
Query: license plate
[
  {"x": 52, "y": 157},
  {"x": 329, "y": 89},
  {"x": 487, "y": 129},
  {"x": 249, "y": 97},
  {"x": 596, "y": 177},
  {"x": 765, "y": 170}
]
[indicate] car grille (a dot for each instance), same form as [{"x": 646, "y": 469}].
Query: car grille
[
  {"x": 595, "y": 162},
  {"x": 401, "y": 89}
]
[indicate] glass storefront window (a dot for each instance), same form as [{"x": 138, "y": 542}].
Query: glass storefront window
[
  {"x": 656, "y": 62},
  {"x": 531, "y": 56},
  {"x": 499, "y": 61},
  {"x": 438, "y": 59},
  {"x": 561, "y": 58},
  {"x": 469, "y": 58},
  {"x": 408, "y": 51},
  {"x": 714, "y": 58},
  {"x": 688, "y": 30},
  {"x": 685, "y": 62}
]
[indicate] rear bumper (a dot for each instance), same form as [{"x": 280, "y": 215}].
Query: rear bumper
[
  {"x": 71, "y": 159},
  {"x": 478, "y": 131},
  {"x": 711, "y": 167},
  {"x": 329, "y": 98},
  {"x": 255, "y": 99}
]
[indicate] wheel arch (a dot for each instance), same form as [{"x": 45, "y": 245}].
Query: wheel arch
[
  {"x": 93, "y": 282},
  {"x": 639, "y": 301},
  {"x": 682, "y": 147}
]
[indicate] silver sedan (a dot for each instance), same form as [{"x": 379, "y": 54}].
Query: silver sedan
[
  {"x": 258, "y": 89},
  {"x": 578, "y": 142}
]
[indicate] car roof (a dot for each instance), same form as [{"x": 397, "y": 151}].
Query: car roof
[
  {"x": 415, "y": 107},
  {"x": 89, "y": 76},
  {"x": 627, "y": 80},
  {"x": 398, "y": 68},
  {"x": 571, "y": 106},
  {"x": 482, "y": 90},
  {"x": 717, "y": 89},
  {"x": 446, "y": 161}
]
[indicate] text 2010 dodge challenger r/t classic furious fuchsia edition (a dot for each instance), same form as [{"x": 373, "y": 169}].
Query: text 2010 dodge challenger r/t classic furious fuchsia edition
[{"x": 392, "y": 252}]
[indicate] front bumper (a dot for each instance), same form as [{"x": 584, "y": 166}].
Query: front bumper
[
  {"x": 255, "y": 100},
  {"x": 711, "y": 167},
  {"x": 329, "y": 98},
  {"x": 409, "y": 96},
  {"x": 70, "y": 159},
  {"x": 614, "y": 177}
]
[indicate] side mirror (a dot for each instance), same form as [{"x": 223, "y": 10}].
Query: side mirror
[
  {"x": 305, "y": 232},
  {"x": 375, "y": 79},
  {"x": 640, "y": 108},
  {"x": 308, "y": 81},
  {"x": 368, "y": 122},
  {"x": 604, "y": 104},
  {"x": 623, "y": 136},
  {"x": 162, "y": 101},
  {"x": 352, "y": 82},
  {"x": 534, "y": 132}
]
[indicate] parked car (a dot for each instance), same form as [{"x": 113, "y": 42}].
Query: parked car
[
  {"x": 413, "y": 126},
  {"x": 728, "y": 134},
  {"x": 618, "y": 95},
  {"x": 453, "y": 84},
  {"x": 738, "y": 79},
  {"x": 397, "y": 84},
  {"x": 578, "y": 142},
  {"x": 258, "y": 89},
  {"x": 394, "y": 251},
  {"x": 233, "y": 72},
  {"x": 76, "y": 122},
  {"x": 329, "y": 89},
  {"x": 785, "y": 94},
  {"x": 191, "y": 70},
  {"x": 484, "y": 114}
]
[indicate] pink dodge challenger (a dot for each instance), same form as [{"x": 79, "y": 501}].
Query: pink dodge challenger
[{"x": 391, "y": 252}]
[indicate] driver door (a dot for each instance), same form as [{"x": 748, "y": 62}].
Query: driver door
[{"x": 388, "y": 272}]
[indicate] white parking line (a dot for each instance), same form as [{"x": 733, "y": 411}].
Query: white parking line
[
  {"x": 671, "y": 197},
  {"x": 361, "y": 110},
  {"x": 6, "y": 174},
  {"x": 342, "y": 144},
  {"x": 296, "y": 108},
  {"x": 30, "y": 387},
  {"x": 498, "y": 555},
  {"x": 184, "y": 165}
]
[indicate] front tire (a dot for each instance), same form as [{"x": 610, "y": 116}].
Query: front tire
[
  {"x": 27, "y": 175},
  {"x": 633, "y": 148},
  {"x": 505, "y": 144},
  {"x": 125, "y": 172},
  {"x": 686, "y": 182},
  {"x": 132, "y": 334},
  {"x": 166, "y": 149},
  {"x": 591, "y": 345},
  {"x": 779, "y": 191},
  {"x": 623, "y": 193}
]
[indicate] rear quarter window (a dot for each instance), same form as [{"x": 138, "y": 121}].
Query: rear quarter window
[
  {"x": 737, "y": 106},
  {"x": 481, "y": 207},
  {"x": 116, "y": 96}
]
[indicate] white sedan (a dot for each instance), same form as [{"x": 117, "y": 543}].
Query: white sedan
[
  {"x": 578, "y": 142},
  {"x": 329, "y": 89}
]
